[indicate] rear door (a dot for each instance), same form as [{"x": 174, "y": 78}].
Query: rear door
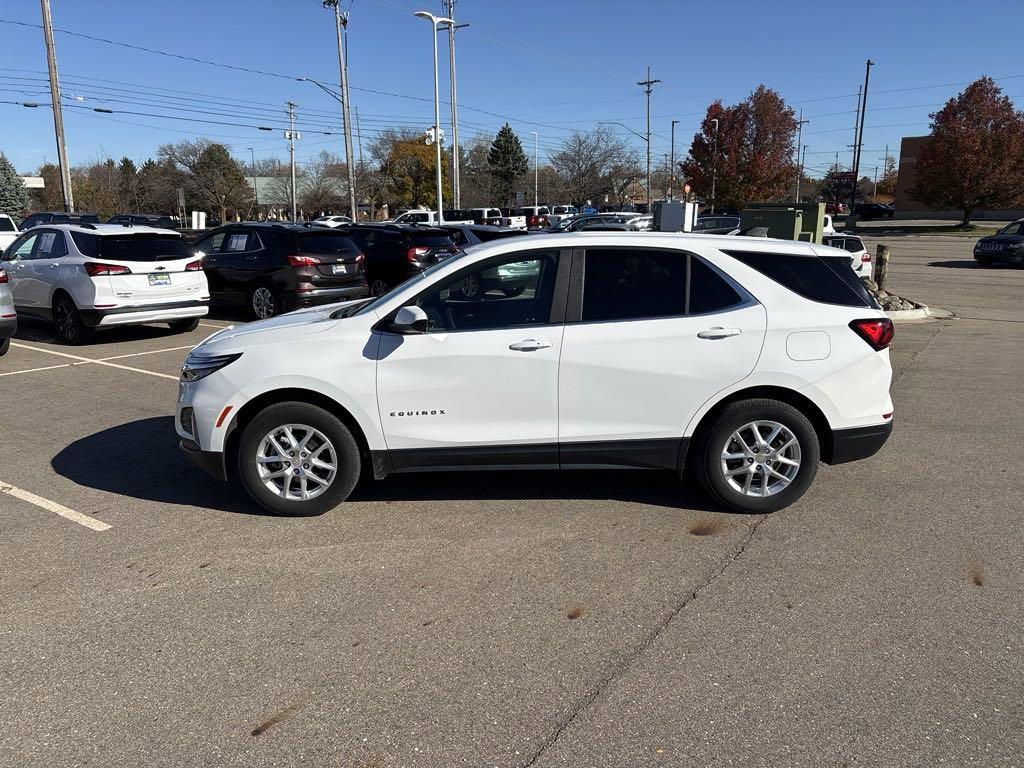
[
  {"x": 161, "y": 269},
  {"x": 651, "y": 334},
  {"x": 44, "y": 269},
  {"x": 210, "y": 246}
]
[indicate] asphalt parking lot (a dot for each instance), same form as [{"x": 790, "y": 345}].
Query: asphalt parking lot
[{"x": 581, "y": 619}]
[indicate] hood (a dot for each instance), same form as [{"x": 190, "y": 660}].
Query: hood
[
  {"x": 282, "y": 327},
  {"x": 1004, "y": 239}
]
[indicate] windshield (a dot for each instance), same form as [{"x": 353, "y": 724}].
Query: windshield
[
  {"x": 327, "y": 243},
  {"x": 419, "y": 277},
  {"x": 140, "y": 247},
  {"x": 1017, "y": 228},
  {"x": 6, "y": 225}
]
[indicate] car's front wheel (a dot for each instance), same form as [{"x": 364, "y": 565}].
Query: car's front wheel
[
  {"x": 298, "y": 459},
  {"x": 760, "y": 455},
  {"x": 5, "y": 344}
]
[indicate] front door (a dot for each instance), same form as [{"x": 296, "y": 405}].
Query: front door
[
  {"x": 19, "y": 269},
  {"x": 480, "y": 387},
  {"x": 654, "y": 335}
]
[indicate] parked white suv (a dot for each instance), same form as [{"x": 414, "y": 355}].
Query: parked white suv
[
  {"x": 745, "y": 360},
  {"x": 8, "y": 316},
  {"x": 88, "y": 276}
]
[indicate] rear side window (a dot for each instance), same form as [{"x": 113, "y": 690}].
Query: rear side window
[
  {"x": 631, "y": 284},
  {"x": 6, "y": 225},
  {"x": 821, "y": 279},
  {"x": 709, "y": 292},
  {"x": 326, "y": 243},
  {"x": 144, "y": 248},
  {"x": 486, "y": 235},
  {"x": 51, "y": 246}
]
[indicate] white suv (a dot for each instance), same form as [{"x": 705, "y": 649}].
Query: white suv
[
  {"x": 745, "y": 360},
  {"x": 88, "y": 276}
]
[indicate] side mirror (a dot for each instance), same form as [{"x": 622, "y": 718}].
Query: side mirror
[{"x": 410, "y": 319}]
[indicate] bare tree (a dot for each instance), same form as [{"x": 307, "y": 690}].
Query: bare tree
[
  {"x": 324, "y": 184},
  {"x": 591, "y": 163}
]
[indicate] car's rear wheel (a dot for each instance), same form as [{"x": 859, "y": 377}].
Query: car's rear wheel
[
  {"x": 378, "y": 287},
  {"x": 186, "y": 325},
  {"x": 298, "y": 459},
  {"x": 264, "y": 302},
  {"x": 758, "y": 456},
  {"x": 68, "y": 321}
]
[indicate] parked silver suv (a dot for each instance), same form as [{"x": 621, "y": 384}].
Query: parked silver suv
[{"x": 8, "y": 317}]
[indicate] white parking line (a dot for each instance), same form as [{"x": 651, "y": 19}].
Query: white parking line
[
  {"x": 149, "y": 352},
  {"x": 211, "y": 325},
  {"x": 95, "y": 362},
  {"x": 53, "y": 506},
  {"x": 33, "y": 370}
]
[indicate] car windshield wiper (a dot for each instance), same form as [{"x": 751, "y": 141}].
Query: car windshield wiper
[{"x": 351, "y": 309}]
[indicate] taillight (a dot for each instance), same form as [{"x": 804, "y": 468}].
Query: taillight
[
  {"x": 415, "y": 253},
  {"x": 533, "y": 221},
  {"x": 878, "y": 331},
  {"x": 96, "y": 269},
  {"x": 194, "y": 266},
  {"x": 297, "y": 260},
  {"x": 865, "y": 257},
  {"x": 3, "y": 275},
  {"x": 360, "y": 261}
]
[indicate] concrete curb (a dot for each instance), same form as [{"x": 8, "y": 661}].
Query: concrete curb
[{"x": 922, "y": 312}]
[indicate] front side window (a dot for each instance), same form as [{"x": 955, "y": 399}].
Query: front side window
[
  {"x": 631, "y": 283},
  {"x": 21, "y": 249},
  {"x": 211, "y": 244},
  {"x": 512, "y": 292}
]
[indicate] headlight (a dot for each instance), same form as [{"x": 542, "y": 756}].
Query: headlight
[{"x": 199, "y": 366}]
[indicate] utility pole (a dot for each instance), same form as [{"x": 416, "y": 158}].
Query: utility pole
[
  {"x": 860, "y": 133},
  {"x": 341, "y": 24},
  {"x": 874, "y": 191},
  {"x": 799, "y": 142},
  {"x": 536, "y": 156},
  {"x": 714, "y": 164},
  {"x": 359, "y": 137},
  {"x": 58, "y": 116},
  {"x": 856, "y": 121},
  {"x": 449, "y": 7},
  {"x": 648, "y": 86},
  {"x": 252, "y": 167},
  {"x": 800, "y": 174},
  {"x": 291, "y": 134},
  {"x": 672, "y": 167}
]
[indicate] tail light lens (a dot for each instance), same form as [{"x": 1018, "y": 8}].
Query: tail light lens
[
  {"x": 96, "y": 269},
  {"x": 3, "y": 275},
  {"x": 194, "y": 266},
  {"x": 298, "y": 260},
  {"x": 360, "y": 262},
  {"x": 877, "y": 332},
  {"x": 416, "y": 253},
  {"x": 865, "y": 257},
  {"x": 533, "y": 221}
]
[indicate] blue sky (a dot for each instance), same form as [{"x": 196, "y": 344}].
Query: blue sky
[{"x": 547, "y": 66}]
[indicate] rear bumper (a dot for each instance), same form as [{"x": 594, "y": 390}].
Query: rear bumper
[
  {"x": 859, "y": 442},
  {"x": 8, "y": 326},
  {"x": 300, "y": 299},
  {"x": 211, "y": 462},
  {"x": 145, "y": 313}
]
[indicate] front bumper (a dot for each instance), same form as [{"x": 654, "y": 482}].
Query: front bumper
[
  {"x": 1005, "y": 254},
  {"x": 859, "y": 442},
  {"x": 211, "y": 462},
  {"x": 145, "y": 313},
  {"x": 8, "y": 327}
]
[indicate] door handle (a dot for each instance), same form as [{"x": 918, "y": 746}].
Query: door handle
[
  {"x": 718, "y": 333},
  {"x": 529, "y": 345}
]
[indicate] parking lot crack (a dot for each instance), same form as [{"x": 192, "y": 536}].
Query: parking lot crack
[{"x": 645, "y": 642}]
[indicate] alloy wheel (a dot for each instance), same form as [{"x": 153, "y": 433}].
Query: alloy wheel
[
  {"x": 378, "y": 287},
  {"x": 761, "y": 458},
  {"x": 263, "y": 305},
  {"x": 67, "y": 326},
  {"x": 296, "y": 462}
]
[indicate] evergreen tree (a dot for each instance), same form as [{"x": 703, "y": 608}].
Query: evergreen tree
[
  {"x": 13, "y": 195},
  {"x": 128, "y": 186},
  {"x": 506, "y": 161}
]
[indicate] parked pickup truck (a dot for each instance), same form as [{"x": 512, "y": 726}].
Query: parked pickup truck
[
  {"x": 8, "y": 231},
  {"x": 423, "y": 216},
  {"x": 559, "y": 212},
  {"x": 495, "y": 217}
]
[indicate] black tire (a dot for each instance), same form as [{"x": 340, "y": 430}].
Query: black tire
[
  {"x": 5, "y": 344},
  {"x": 378, "y": 287},
  {"x": 982, "y": 261},
  {"x": 187, "y": 325},
  {"x": 68, "y": 321},
  {"x": 264, "y": 302},
  {"x": 708, "y": 461},
  {"x": 346, "y": 458}
]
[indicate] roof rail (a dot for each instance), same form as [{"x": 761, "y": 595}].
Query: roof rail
[{"x": 86, "y": 225}]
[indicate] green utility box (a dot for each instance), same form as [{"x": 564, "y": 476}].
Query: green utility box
[
  {"x": 782, "y": 223},
  {"x": 812, "y": 219}
]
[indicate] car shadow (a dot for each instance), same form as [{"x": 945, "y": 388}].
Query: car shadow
[
  {"x": 31, "y": 329},
  {"x": 970, "y": 264},
  {"x": 157, "y": 471}
]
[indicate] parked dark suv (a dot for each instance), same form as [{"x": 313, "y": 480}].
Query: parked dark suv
[
  {"x": 396, "y": 252},
  {"x": 873, "y": 211},
  {"x": 58, "y": 217},
  {"x": 275, "y": 268},
  {"x": 161, "y": 220},
  {"x": 1005, "y": 245}
]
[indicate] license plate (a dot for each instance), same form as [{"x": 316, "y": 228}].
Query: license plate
[
  {"x": 160, "y": 279},
  {"x": 340, "y": 269}
]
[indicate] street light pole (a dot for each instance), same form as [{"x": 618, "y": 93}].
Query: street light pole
[
  {"x": 648, "y": 86},
  {"x": 672, "y": 168},
  {"x": 58, "y": 116},
  {"x": 449, "y": 6},
  {"x": 536, "y": 139},
  {"x": 860, "y": 134},
  {"x": 252, "y": 167},
  {"x": 340, "y": 21},
  {"x": 714, "y": 164},
  {"x": 292, "y": 135},
  {"x": 434, "y": 21}
]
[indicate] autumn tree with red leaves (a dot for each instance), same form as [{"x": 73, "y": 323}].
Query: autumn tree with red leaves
[
  {"x": 973, "y": 158},
  {"x": 755, "y": 151}
]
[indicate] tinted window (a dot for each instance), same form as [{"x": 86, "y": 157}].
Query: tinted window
[
  {"x": 1017, "y": 228},
  {"x": 512, "y": 292},
  {"x": 50, "y": 246},
  {"x": 326, "y": 243},
  {"x": 21, "y": 249},
  {"x": 633, "y": 283},
  {"x": 709, "y": 292},
  {"x": 432, "y": 240},
  {"x": 6, "y": 225},
  {"x": 817, "y": 279},
  {"x": 144, "y": 248},
  {"x": 486, "y": 235},
  {"x": 239, "y": 242},
  {"x": 210, "y": 244}
]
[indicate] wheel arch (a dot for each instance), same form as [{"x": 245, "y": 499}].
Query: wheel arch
[
  {"x": 801, "y": 402},
  {"x": 248, "y": 412}
]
